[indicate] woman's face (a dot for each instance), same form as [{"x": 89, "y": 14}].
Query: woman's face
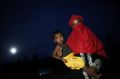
[{"x": 75, "y": 22}]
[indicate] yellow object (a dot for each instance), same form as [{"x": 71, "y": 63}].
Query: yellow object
[{"x": 74, "y": 62}]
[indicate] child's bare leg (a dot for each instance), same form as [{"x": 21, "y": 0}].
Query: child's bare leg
[
  {"x": 97, "y": 76},
  {"x": 92, "y": 71}
]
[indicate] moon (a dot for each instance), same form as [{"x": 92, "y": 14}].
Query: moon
[{"x": 13, "y": 50}]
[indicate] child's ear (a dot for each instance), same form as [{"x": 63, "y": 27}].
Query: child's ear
[{"x": 54, "y": 41}]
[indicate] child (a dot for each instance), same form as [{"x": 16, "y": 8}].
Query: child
[{"x": 64, "y": 53}]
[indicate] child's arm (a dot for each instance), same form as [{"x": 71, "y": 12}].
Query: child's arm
[{"x": 57, "y": 52}]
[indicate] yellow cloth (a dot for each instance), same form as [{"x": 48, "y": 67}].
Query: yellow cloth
[{"x": 74, "y": 62}]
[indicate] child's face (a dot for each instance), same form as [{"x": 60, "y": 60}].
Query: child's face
[{"x": 58, "y": 38}]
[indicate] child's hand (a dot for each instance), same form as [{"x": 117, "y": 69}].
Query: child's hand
[{"x": 65, "y": 61}]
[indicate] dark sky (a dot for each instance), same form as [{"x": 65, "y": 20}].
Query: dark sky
[{"x": 28, "y": 24}]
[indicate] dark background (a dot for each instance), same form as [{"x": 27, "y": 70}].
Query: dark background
[{"x": 28, "y": 25}]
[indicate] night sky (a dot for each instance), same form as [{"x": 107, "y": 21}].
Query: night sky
[{"x": 28, "y": 24}]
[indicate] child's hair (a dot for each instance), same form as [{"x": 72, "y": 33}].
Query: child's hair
[{"x": 57, "y": 32}]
